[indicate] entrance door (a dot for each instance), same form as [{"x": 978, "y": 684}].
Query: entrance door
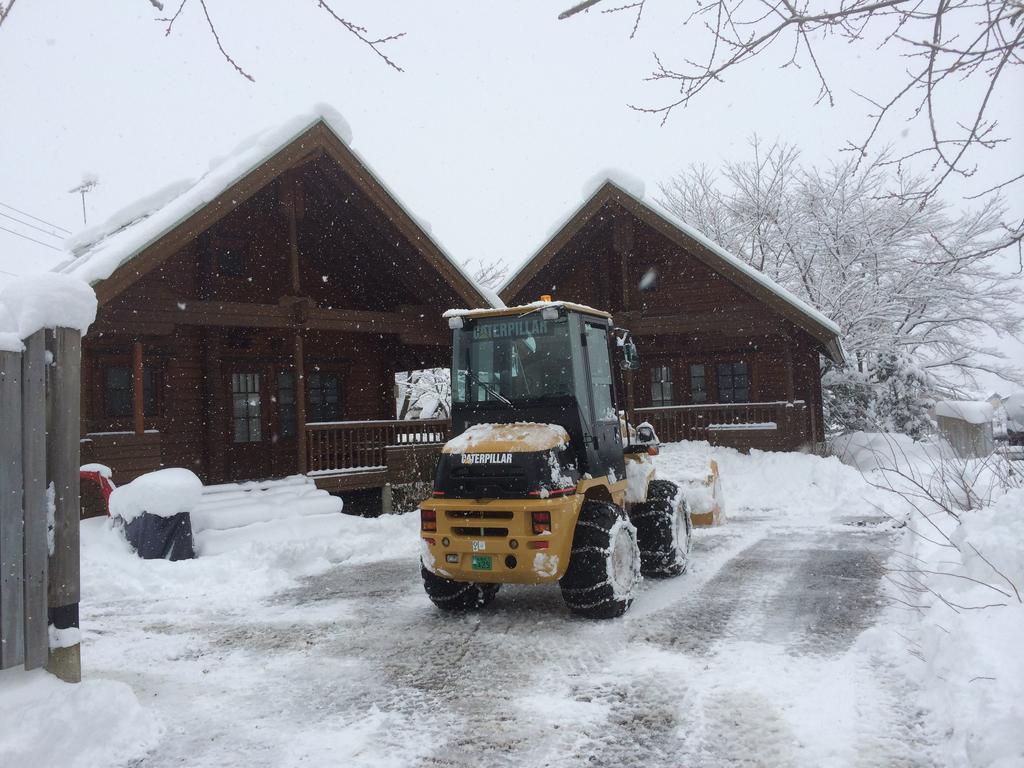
[{"x": 247, "y": 455}]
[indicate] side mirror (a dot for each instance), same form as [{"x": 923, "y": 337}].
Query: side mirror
[{"x": 630, "y": 357}]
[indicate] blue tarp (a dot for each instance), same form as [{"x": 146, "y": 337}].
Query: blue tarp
[{"x": 161, "y": 538}]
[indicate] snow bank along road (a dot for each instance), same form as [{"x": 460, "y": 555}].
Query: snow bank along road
[{"x": 330, "y": 653}]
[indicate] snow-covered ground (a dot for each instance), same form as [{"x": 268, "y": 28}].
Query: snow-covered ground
[{"x": 316, "y": 646}]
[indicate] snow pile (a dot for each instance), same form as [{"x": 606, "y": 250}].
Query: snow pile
[
  {"x": 10, "y": 337},
  {"x": 638, "y": 475},
  {"x": 47, "y": 722},
  {"x": 972, "y": 669},
  {"x": 959, "y": 569},
  {"x": 520, "y": 436},
  {"x": 233, "y": 516},
  {"x": 886, "y": 450},
  {"x": 973, "y": 412},
  {"x": 29, "y": 304},
  {"x": 164, "y": 493}
]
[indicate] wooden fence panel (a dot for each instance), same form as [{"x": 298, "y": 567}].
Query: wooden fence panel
[
  {"x": 12, "y": 595},
  {"x": 33, "y": 418}
]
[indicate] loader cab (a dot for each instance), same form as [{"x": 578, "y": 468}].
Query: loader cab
[{"x": 551, "y": 363}]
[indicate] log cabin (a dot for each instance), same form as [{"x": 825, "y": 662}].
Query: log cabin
[
  {"x": 251, "y": 323},
  {"x": 727, "y": 355}
]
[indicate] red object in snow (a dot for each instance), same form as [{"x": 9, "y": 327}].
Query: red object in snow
[{"x": 102, "y": 480}]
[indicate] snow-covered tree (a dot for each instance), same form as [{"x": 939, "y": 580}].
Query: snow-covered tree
[{"x": 912, "y": 285}]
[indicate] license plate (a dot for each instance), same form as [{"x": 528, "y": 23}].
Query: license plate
[{"x": 481, "y": 562}]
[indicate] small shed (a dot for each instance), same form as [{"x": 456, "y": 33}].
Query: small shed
[
  {"x": 1014, "y": 406},
  {"x": 967, "y": 426}
]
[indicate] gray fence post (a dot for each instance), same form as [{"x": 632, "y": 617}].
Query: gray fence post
[
  {"x": 33, "y": 432},
  {"x": 63, "y": 471},
  {"x": 12, "y": 596}
]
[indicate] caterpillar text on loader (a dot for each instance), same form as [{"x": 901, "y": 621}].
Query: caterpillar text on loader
[{"x": 539, "y": 484}]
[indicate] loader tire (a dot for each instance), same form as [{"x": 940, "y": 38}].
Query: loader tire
[
  {"x": 664, "y": 531},
  {"x": 604, "y": 568},
  {"x": 451, "y": 595}
]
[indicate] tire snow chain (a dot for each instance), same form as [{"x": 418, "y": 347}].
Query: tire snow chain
[{"x": 460, "y": 593}]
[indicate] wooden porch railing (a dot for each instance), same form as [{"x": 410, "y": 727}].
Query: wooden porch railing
[
  {"x": 692, "y": 422},
  {"x": 339, "y": 446}
]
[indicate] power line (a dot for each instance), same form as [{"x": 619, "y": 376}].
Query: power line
[
  {"x": 26, "y": 237},
  {"x": 33, "y": 226},
  {"x": 36, "y": 218}
]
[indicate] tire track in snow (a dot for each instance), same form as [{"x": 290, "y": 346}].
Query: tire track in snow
[{"x": 758, "y": 668}]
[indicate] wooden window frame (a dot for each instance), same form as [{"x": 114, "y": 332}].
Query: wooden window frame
[
  {"x": 316, "y": 370},
  {"x": 249, "y": 417},
  {"x": 705, "y": 389},
  {"x": 732, "y": 376},
  {"x": 660, "y": 401}
]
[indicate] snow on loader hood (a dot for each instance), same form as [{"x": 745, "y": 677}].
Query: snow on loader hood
[{"x": 522, "y": 436}]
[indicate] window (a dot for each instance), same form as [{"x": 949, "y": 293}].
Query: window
[
  {"x": 733, "y": 383},
  {"x": 286, "y": 414},
  {"x": 322, "y": 394},
  {"x": 118, "y": 391},
  {"x": 600, "y": 372},
  {"x": 698, "y": 384},
  {"x": 661, "y": 385},
  {"x": 501, "y": 359},
  {"x": 245, "y": 408}
]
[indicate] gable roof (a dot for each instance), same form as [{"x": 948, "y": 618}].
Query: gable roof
[
  {"x": 139, "y": 238},
  {"x": 741, "y": 274}
]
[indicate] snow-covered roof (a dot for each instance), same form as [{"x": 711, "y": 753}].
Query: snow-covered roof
[
  {"x": 971, "y": 411},
  {"x": 94, "y": 254},
  {"x": 631, "y": 188}
]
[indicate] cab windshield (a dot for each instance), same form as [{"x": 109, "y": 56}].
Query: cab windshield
[{"x": 510, "y": 359}]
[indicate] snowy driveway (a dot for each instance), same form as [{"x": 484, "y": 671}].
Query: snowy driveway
[{"x": 755, "y": 657}]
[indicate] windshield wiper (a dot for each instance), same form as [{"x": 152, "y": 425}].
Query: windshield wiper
[{"x": 488, "y": 387}]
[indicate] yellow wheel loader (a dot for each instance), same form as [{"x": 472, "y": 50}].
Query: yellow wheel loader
[{"x": 543, "y": 482}]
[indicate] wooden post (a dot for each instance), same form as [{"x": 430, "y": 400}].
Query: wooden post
[
  {"x": 788, "y": 357},
  {"x": 215, "y": 406},
  {"x": 12, "y": 595},
  {"x": 62, "y": 466},
  {"x": 138, "y": 390},
  {"x": 33, "y": 430},
  {"x": 292, "y": 195},
  {"x": 300, "y": 404}
]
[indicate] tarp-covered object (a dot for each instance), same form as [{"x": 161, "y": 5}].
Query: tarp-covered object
[
  {"x": 161, "y": 538},
  {"x": 156, "y": 511}
]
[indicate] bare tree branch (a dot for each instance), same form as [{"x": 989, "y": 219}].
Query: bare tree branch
[
  {"x": 358, "y": 31},
  {"x": 5, "y": 11},
  {"x": 947, "y": 44}
]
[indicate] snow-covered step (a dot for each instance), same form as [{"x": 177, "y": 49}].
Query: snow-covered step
[{"x": 227, "y": 506}]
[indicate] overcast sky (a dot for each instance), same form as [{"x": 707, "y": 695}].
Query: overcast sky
[{"x": 501, "y": 116}]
